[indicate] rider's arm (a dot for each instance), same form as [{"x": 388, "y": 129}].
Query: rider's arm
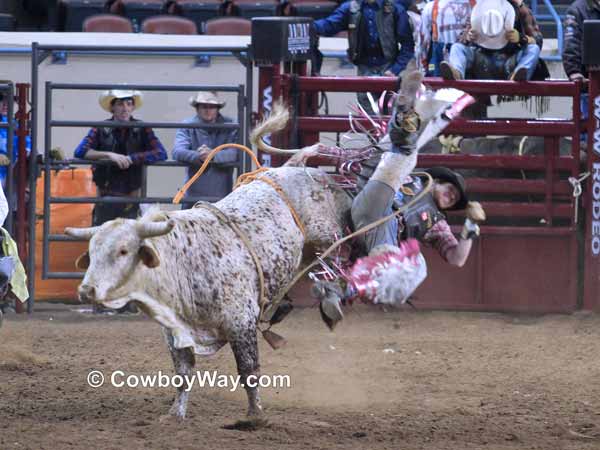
[{"x": 453, "y": 251}]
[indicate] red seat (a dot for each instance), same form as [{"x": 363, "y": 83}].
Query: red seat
[
  {"x": 198, "y": 11},
  {"x": 235, "y": 26},
  {"x": 107, "y": 23},
  {"x": 169, "y": 25}
]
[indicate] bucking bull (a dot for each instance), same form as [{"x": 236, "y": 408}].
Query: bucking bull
[{"x": 206, "y": 273}]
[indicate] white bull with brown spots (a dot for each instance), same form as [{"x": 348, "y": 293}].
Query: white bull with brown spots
[{"x": 192, "y": 273}]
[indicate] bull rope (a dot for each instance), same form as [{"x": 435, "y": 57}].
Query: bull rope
[{"x": 244, "y": 178}]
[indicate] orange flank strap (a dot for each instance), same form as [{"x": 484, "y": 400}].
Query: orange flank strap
[
  {"x": 211, "y": 155},
  {"x": 244, "y": 178}
]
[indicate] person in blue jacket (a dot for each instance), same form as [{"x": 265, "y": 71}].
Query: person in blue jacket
[
  {"x": 4, "y": 161},
  {"x": 380, "y": 40}
]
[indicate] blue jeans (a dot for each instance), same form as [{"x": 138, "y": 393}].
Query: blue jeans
[
  {"x": 462, "y": 58},
  {"x": 437, "y": 53}
]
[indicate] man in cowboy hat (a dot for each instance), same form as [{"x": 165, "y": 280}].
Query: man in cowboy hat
[
  {"x": 192, "y": 146},
  {"x": 502, "y": 42},
  {"x": 125, "y": 150}
]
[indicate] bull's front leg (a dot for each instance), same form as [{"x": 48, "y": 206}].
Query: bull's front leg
[
  {"x": 245, "y": 349},
  {"x": 183, "y": 360}
]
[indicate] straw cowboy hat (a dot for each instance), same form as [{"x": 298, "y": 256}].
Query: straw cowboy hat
[
  {"x": 491, "y": 19},
  {"x": 107, "y": 97},
  {"x": 206, "y": 98}
]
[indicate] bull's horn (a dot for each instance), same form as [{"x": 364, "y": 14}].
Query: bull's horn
[
  {"x": 81, "y": 233},
  {"x": 152, "y": 229},
  {"x": 276, "y": 121}
]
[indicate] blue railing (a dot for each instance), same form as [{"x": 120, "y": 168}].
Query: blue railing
[{"x": 552, "y": 16}]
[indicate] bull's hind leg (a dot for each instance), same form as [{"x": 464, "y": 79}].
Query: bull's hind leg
[
  {"x": 183, "y": 360},
  {"x": 245, "y": 349}
]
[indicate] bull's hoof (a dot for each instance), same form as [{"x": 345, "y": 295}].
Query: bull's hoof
[{"x": 250, "y": 424}]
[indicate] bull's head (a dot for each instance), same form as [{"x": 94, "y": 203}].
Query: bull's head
[{"x": 116, "y": 248}]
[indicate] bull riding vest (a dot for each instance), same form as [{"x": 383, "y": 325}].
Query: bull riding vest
[
  {"x": 109, "y": 178},
  {"x": 420, "y": 216}
]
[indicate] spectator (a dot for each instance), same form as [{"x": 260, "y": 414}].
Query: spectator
[
  {"x": 192, "y": 145},
  {"x": 4, "y": 161},
  {"x": 127, "y": 149},
  {"x": 375, "y": 28},
  {"x": 578, "y": 12},
  {"x": 503, "y": 35},
  {"x": 442, "y": 23}
]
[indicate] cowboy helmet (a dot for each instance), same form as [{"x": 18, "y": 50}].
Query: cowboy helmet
[{"x": 107, "y": 97}]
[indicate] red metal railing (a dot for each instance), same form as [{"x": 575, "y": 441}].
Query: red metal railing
[
  {"x": 515, "y": 267},
  {"x": 557, "y": 202},
  {"x": 23, "y": 131}
]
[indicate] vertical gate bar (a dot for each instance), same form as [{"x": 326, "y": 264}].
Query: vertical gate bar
[
  {"x": 248, "y": 105},
  {"x": 576, "y": 138},
  {"x": 479, "y": 298},
  {"x": 10, "y": 153},
  {"x": 592, "y": 238},
  {"x": 240, "y": 120},
  {"x": 549, "y": 152},
  {"x": 144, "y": 181},
  {"x": 47, "y": 180},
  {"x": 577, "y": 271},
  {"x": 32, "y": 176},
  {"x": 22, "y": 177}
]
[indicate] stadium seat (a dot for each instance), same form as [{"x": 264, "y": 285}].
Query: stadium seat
[
  {"x": 139, "y": 10},
  {"x": 169, "y": 25},
  {"x": 255, "y": 8},
  {"x": 7, "y": 22},
  {"x": 199, "y": 11},
  {"x": 235, "y": 26},
  {"x": 317, "y": 9},
  {"x": 107, "y": 23},
  {"x": 72, "y": 13}
]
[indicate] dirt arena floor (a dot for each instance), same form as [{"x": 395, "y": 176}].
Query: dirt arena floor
[{"x": 395, "y": 380}]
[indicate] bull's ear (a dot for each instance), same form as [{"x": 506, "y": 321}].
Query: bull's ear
[
  {"x": 83, "y": 262},
  {"x": 149, "y": 256}
]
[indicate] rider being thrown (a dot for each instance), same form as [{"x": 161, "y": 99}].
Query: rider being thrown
[{"x": 395, "y": 267}]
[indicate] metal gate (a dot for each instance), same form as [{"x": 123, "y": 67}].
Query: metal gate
[{"x": 39, "y": 53}]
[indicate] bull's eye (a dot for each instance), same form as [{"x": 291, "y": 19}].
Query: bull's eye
[{"x": 123, "y": 252}]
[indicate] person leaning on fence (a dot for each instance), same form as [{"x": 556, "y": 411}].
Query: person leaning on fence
[
  {"x": 126, "y": 150},
  {"x": 192, "y": 146},
  {"x": 375, "y": 28},
  {"x": 503, "y": 42}
]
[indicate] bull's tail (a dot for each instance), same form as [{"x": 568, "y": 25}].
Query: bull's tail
[{"x": 276, "y": 121}]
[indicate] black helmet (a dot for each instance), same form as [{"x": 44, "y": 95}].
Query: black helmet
[{"x": 456, "y": 179}]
